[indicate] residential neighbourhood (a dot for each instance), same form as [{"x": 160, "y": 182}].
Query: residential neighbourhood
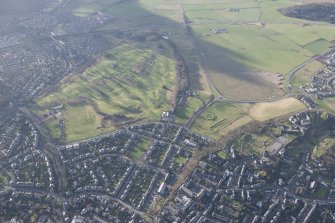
[
  {"x": 165, "y": 111},
  {"x": 121, "y": 175},
  {"x": 322, "y": 82}
]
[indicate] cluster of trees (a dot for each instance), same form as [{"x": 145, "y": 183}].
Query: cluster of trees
[
  {"x": 182, "y": 83},
  {"x": 182, "y": 79},
  {"x": 314, "y": 12}
]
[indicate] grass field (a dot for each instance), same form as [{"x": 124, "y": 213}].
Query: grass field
[
  {"x": 220, "y": 118},
  {"x": 303, "y": 76},
  {"x": 268, "y": 110},
  {"x": 180, "y": 160},
  {"x": 192, "y": 105},
  {"x": 324, "y": 145},
  {"x": 141, "y": 147},
  {"x": 111, "y": 90},
  {"x": 82, "y": 121},
  {"x": 165, "y": 16},
  {"x": 318, "y": 46},
  {"x": 222, "y": 154},
  {"x": 53, "y": 127},
  {"x": 3, "y": 179},
  {"x": 258, "y": 39},
  {"x": 328, "y": 104}
]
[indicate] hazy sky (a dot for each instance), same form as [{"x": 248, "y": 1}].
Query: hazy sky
[{"x": 20, "y": 6}]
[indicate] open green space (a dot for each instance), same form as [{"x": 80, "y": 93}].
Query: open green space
[
  {"x": 143, "y": 16},
  {"x": 303, "y": 76},
  {"x": 87, "y": 7},
  {"x": 180, "y": 160},
  {"x": 141, "y": 147},
  {"x": 320, "y": 193},
  {"x": 222, "y": 154},
  {"x": 184, "y": 113},
  {"x": 258, "y": 39},
  {"x": 53, "y": 127},
  {"x": 318, "y": 46},
  {"x": 3, "y": 179},
  {"x": 81, "y": 121},
  {"x": 325, "y": 145},
  {"x": 222, "y": 117},
  {"x": 219, "y": 118},
  {"x": 112, "y": 92},
  {"x": 327, "y": 104}
]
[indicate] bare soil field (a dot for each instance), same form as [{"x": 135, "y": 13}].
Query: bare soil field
[{"x": 268, "y": 110}]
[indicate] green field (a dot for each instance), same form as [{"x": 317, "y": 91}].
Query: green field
[
  {"x": 318, "y": 46},
  {"x": 303, "y": 76},
  {"x": 222, "y": 154},
  {"x": 220, "y": 118},
  {"x": 111, "y": 93},
  {"x": 3, "y": 179},
  {"x": 191, "y": 106},
  {"x": 258, "y": 39},
  {"x": 141, "y": 147},
  {"x": 81, "y": 121},
  {"x": 180, "y": 160},
  {"x": 325, "y": 145},
  {"x": 86, "y": 7}
]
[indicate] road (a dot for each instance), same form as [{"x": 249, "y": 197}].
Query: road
[
  {"x": 192, "y": 119},
  {"x": 220, "y": 96},
  {"x": 203, "y": 108},
  {"x": 60, "y": 200},
  {"x": 293, "y": 71}
]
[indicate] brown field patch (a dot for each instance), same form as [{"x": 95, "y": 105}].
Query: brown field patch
[{"x": 268, "y": 110}]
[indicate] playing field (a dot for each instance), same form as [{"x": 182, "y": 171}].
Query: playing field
[
  {"x": 131, "y": 82},
  {"x": 241, "y": 49}
]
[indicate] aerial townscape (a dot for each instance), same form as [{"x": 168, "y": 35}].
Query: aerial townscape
[{"x": 167, "y": 111}]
